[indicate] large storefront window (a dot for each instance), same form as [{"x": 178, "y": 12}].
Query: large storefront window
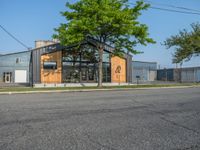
[
  {"x": 71, "y": 72},
  {"x": 82, "y": 65},
  {"x": 106, "y": 72}
]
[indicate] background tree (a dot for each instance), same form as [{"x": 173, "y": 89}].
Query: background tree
[
  {"x": 111, "y": 22},
  {"x": 186, "y": 44}
]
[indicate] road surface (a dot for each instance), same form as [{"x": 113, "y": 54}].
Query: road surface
[{"x": 159, "y": 119}]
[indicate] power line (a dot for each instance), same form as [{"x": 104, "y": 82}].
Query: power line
[
  {"x": 14, "y": 37},
  {"x": 172, "y": 6},
  {"x": 171, "y": 10}
]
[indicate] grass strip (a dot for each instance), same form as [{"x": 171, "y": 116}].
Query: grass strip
[{"x": 27, "y": 89}]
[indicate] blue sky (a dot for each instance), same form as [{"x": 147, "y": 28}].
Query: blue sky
[{"x": 31, "y": 20}]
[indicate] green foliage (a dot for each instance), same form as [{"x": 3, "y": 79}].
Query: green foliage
[
  {"x": 109, "y": 21},
  {"x": 112, "y": 22},
  {"x": 186, "y": 43}
]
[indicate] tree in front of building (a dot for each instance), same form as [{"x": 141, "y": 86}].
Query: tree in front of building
[
  {"x": 112, "y": 22},
  {"x": 186, "y": 43}
]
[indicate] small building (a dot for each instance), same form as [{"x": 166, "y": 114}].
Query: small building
[
  {"x": 144, "y": 71},
  {"x": 15, "y": 67},
  {"x": 54, "y": 63}
]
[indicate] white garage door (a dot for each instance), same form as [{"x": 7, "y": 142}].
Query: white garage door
[{"x": 20, "y": 76}]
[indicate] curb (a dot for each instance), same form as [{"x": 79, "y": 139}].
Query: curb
[{"x": 93, "y": 90}]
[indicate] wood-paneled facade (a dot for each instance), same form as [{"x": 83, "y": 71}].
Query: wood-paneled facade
[
  {"x": 118, "y": 70},
  {"x": 52, "y": 75}
]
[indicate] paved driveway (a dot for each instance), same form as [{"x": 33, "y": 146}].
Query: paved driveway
[{"x": 165, "y": 119}]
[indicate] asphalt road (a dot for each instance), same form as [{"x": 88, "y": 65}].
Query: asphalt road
[{"x": 164, "y": 119}]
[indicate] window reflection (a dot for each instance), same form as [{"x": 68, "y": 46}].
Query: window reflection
[
  {"x": 81, "y": 65},
  {"x": 50, "y": 65}
]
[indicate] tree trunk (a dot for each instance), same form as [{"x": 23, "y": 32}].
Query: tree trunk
[{"x": 100, "y": 67}]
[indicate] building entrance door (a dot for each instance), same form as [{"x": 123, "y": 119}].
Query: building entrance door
[
  {"x": 7, "y": 77},
  {"x": 20, "y": 76}
]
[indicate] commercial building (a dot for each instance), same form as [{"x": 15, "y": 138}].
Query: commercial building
[
  {"x": 144, "y": 71},
  {"x": 54, "y": 63}
]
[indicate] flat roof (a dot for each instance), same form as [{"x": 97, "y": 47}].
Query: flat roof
[
  {"x": 181, "y": 68},
  {"x": 14, "y": 53},
  {"x": 145, "y": 62}
]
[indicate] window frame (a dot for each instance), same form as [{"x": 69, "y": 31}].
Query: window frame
[{"x": 53, "y": 67}]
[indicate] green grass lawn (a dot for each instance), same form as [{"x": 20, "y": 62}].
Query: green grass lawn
[{"x": 26, "y": 89}]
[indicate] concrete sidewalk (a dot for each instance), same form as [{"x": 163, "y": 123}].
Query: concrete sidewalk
[
  {"x": 47, "y": 85},
  {"x": 43, "y": 85}
]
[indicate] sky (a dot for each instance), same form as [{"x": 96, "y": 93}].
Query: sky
[{"x": 31, "y": 20}]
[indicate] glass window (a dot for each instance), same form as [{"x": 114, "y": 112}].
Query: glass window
[
  {"x": 106, "y": 57},
  {"x": 89, "y": 53},
  {"x": 106, "y": 72},
  {"x": 71, "y": 55},
  {"x": 50, "y": 65},
  {"x": 82, "y": 65},
  {"x": 18, "y": 60}
]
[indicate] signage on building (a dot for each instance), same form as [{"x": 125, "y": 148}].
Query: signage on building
[{"x": 118, "y": 69}]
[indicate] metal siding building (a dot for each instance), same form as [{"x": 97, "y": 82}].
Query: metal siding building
[
  {"x": 145, "y": 70},
  {"x": 11, "y": 65}
]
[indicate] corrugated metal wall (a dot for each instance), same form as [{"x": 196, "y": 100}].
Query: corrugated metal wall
[
  {"x": 15, "y": 61},
  {"x": 180, "y": 74},
  {"x": 198, "y": 75},
  {"x": 190, "y": 74},
  {"x": 165, "y": 75},
  {"x": 146, "y": 71}
]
